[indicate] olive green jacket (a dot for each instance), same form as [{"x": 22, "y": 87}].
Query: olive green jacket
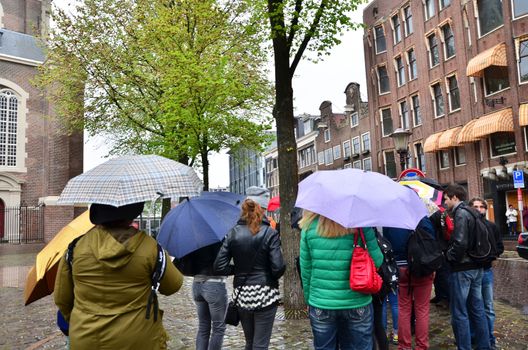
[{"x": 104, "y": 298}]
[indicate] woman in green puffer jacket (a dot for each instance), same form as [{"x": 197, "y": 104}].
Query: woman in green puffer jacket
[{"x": 340, "y": 317}]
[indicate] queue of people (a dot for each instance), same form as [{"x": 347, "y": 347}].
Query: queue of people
[{"x": 105, "y": 288}]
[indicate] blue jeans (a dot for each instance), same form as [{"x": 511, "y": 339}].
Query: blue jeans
[
  {"x": 393, "y": 301},
  {"x": 487, "y": 297},
  {"x": 345, "y": 329},
  {"x": 211, "y": 305},
  {"x": 467, "y": 308},
  {"x": 512, "y": 228}
]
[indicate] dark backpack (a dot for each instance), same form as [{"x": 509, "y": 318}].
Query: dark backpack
[
  {"x": 424, "y": 255},
  {"x": 388, "y": 270},
  {"x": 482, "y": 247}
]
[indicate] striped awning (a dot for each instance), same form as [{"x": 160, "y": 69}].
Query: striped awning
[
  {"x": 431, "y": 143},
  {"x": 496, "y": 56},
  {"x": 523, "y": 114},
  {"x": 501, "y": 121},
  {"x": 466, "y": 133},
  {"x": 448, "y": 138}
]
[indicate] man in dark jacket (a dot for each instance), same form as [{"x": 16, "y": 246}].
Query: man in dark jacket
[
  {"x": 465, "y": 279},
  {"x": 487, "y": 279}
]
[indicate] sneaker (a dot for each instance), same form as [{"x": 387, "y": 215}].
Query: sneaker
[{"x": 395, "y": 339}]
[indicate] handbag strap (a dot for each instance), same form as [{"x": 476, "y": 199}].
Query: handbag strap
[
  {"x": 253, "y": 262},
  {"x": 362, "y": 238}
]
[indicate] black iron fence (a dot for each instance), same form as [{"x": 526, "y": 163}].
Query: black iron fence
[{"x": 21, "y": 224}]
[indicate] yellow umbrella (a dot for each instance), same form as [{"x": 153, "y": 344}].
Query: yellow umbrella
[
  {"x": 424, "y": 190},
  {"x": 41, "y": 277}
]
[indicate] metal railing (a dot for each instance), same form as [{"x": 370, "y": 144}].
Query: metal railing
[{"x": 21, "y": 224}]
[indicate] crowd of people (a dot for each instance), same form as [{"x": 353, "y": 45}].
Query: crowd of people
[{"x": 105, "y": 287}]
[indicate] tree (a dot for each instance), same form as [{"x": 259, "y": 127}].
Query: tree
[
  {"x": 298, "y": 27},
  {"x": 179, "y": 78}
]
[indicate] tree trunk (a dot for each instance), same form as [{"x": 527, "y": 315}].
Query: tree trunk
[
  {"x": 205, "y": 168},
  {"x": 288, "y": 176}
]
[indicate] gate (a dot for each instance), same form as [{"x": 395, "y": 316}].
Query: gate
[{"x": 22, "y": 224}]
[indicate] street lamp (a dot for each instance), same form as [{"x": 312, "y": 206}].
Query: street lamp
[{"x": 400, "y": 138}]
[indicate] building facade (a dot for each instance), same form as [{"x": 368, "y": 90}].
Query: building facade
[
  {"x": 246, "y": 168},
  {"x": 455, "y": 74},
  {"x": 37, "y": 157}
]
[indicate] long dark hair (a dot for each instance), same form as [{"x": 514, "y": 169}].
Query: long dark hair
[{"x": 252, "y": 213}]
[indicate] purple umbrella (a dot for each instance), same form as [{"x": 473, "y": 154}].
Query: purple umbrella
[{"x": 357, "y": 198}]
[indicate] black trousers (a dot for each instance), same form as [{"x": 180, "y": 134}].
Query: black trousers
[
  {"x": 257, "y": 326},
  {"x": 380, "y": 337}
]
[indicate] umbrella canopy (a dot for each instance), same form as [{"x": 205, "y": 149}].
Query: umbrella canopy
[
  {"x": 425, "y": 191},
  {"x": 199, "y": 222},
  {"x": 274, "y": 203},
  {"x": 132, "y": 179},
  {"x": 357, "y": 198},
  {"x": 41, "y": 277}
]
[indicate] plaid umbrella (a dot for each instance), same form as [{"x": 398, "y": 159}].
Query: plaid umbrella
[{"x": 132, "y": 179}]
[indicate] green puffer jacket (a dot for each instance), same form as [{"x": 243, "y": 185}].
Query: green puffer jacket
[{"x": 325, "y": 269}]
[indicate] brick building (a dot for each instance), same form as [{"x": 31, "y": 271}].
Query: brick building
[
  {"x": 454, "y": 73},
  {"x": 37, "y": 157}
]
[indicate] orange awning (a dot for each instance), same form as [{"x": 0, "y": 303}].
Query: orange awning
[
  {"x": 496, "y": 56},
  {"x": 501, "y": 121},
  {"x": 448, "y": 138},
  {"x": 431, "y": 143},
  {"x": 523, "y": 114},
  {"x": 466, "y": 133}
]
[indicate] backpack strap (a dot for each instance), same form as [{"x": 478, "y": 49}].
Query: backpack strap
[
  {"x": 69, "y": 251},
  {"x": 157, "y": 275}
]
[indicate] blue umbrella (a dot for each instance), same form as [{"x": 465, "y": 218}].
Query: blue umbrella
[{"x": 199, "y": 222}]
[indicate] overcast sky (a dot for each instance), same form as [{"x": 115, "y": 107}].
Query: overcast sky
[{"x": 313, "y": 83}]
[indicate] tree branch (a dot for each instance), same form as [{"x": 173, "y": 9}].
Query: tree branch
[{"x": 295, "y": 22}]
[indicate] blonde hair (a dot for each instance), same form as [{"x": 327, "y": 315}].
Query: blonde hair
[
  {"x": 325, "y": 226},
  {"x": 252, "y": 214}
]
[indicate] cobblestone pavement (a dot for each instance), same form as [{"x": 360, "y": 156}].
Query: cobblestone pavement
[{"x": 33, "y": 326}]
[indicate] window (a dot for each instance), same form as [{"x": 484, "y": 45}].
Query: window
[
  {"x": 429, "y": 9},
  {"x": 8, "y": 128},
  {"x": 502, "y": 143},
  {"x": 380, "y": 44},
  {"x": 383, "y": 80},
  {"x": 347, "y": 165},
  {"x": 355, "y": 145},
  {"x": 420, "y": 156},
  {"x": 417, "y": 115},
  {"x": 337, "y": 152},
  {"x": 400, "y": 70},
  {"x": 520, "y": 8},
  {"x": 413, "y": 67},
  {"x": 444, "y": 3},
  {"x": 489, "y": 15},
  {"x": 347, "y": 152},
  {"x": 495, "y": 79},
  {"x": 523, "y": 61},
  {"x": 390, "y": 164},
  {"x": 408, "y": 20},
  {"x": 320, "y": 158},
  {"x": 386, "y": 122},
  {"x": 365, "y": 142},
  {"x": 438, "y": 100},
  {"x": 327, "y": 135},
  {"x": 404, "y": 115},
  {"x": 443, "y": 157},
  {"x": 307, "y": 126},
  {"x": 396, "y": 28},
  {"x": 328, "y": 156},
  {"x": 434, "y": 55},
  {"x": 454, "y": 94},
  {"x": 460, "y": 155},
  {"x": 354, "y": 119},
  {"x": 356, "y": 164},
  {"x": 367, "y": 164},
  {"x": 449, "y": 41}
]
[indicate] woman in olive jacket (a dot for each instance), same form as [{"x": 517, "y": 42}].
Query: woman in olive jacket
[
  {"x": 258, "y": 264},
  {"x": 104, "y": 294},
  {"x": 340, "y": 317}
]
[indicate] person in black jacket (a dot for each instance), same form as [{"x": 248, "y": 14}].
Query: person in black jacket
[
  {"x": 255, "y": 248},
  {"x": 465, "y": 278},
  {"x": 209, "y": 294},
  {"x": 487, "y": 279}
]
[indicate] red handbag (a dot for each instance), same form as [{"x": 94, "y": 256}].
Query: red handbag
[{"x": 363, "y": 275}]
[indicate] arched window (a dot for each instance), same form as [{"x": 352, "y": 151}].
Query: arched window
[{"x": 8, "y": 128}]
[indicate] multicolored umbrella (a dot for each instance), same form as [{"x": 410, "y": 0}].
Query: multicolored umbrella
[
  {"x": 132, "y": 179},
  {"x": 357, "y": 198},
  {"x": 425, "y": 191}
]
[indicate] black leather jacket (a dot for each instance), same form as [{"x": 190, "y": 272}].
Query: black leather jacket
[
  {"x": 241, "y": 245},
  {"x": 456, "y": 253}
]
